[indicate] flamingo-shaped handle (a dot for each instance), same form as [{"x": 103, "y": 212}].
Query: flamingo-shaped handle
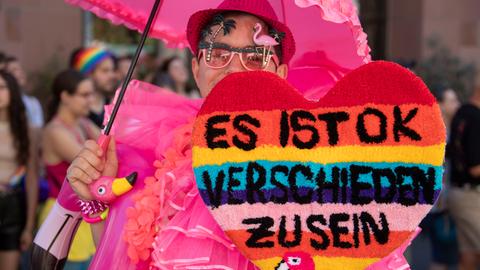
[
  {"x": 53, "y": 239},
  {"x": 107, "y": 189}
]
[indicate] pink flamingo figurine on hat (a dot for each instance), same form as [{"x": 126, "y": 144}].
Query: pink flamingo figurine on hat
[{"x": 263, "y": 40}]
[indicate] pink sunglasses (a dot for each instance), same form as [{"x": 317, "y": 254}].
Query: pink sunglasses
[{"x": 219, "y": 55}]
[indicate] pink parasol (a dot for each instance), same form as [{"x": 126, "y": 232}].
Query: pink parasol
[{"x": 330, "y": 40}]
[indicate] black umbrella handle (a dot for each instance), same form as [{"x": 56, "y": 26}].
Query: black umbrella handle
[{"x": 133, "y": 64}]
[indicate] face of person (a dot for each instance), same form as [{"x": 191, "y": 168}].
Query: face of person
[
  {"x": 178, "y": 71},
  {"x": 80, "y": 102},
  {"x": 122, "y": 69},
  {"x": 4, "y": 94},
  {"x": 104, "y": 76},
  {"x": 17, "y": 71},
  {"x": 450, "y": 103},
  {"x": 239, "y": 37}
]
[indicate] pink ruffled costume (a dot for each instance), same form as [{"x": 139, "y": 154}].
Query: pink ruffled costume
[{"x": 163, "y": 223}]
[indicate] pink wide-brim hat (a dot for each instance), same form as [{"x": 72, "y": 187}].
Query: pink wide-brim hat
[{"x": 259, "y": 8}]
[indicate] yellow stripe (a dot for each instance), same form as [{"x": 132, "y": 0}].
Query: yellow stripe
[
  {"x": 432, "y": 155},
  {"x": 324, "y": 263}
]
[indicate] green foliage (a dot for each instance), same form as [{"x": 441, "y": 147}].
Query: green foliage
[{"x": 442, "y": 69}]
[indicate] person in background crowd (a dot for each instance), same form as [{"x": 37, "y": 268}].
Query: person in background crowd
[
  {"x": 463, "y": 199},
  {"x": 67, "y": 129},
  {"x": 438, "y": 224},
  {"x": 99, "y": 65},
  {"x": 34, "y": 109},
  {"x": 449, "y": 104},
  {"x": 173, "y": 74},
  {"x": 123, "y": 63},
  {"x": 18, "y": 199},
  {"x": 147, "y": 66}
]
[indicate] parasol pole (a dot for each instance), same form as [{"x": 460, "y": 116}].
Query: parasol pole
[{"x": 133, "y": 64}]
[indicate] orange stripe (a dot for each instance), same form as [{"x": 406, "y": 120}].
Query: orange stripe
[
  {"x": 373, "y": 250},
  {"x": 427, "y": 123}
]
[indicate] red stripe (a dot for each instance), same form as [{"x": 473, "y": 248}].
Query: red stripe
[
  {"x": 427, "y": 123},
  {"x": 373, "y": 250},
  {"x": 377, "y": 82}
]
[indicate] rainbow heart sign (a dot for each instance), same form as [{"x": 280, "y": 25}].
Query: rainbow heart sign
[{"x": 337, "y": 183}]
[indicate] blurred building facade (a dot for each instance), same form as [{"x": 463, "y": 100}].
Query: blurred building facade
[
  {"x": 402, "y": 29},
  {"x": 38, "y": 31}
]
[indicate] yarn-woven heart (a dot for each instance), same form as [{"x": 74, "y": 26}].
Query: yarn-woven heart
[{"x": 334, "y": 184}]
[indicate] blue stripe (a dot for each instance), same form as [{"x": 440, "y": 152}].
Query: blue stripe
[
  {"x": 93, "y": 61},
  {"x": 301, "y": 180}
]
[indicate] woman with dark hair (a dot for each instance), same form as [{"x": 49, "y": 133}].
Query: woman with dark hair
[
  {"x": 173, "y": 74},
  {"x": 67, "y": 129},
  {"x": 17, "y": 162},
  {"x": 33, "y": 108}
]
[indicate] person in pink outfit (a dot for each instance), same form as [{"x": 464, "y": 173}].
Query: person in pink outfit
[{"x": 169, "y": 226}]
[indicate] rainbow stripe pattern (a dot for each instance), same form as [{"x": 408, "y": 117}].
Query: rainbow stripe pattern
[
  {"x": 86, "y": 60},
  {"x": 344, "y": 181}
]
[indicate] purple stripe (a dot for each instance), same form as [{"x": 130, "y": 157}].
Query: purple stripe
[{"x": 408, "y": 198}]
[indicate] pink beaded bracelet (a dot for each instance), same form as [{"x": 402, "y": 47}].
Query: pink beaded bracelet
[{"x": 89, "y": 208}]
